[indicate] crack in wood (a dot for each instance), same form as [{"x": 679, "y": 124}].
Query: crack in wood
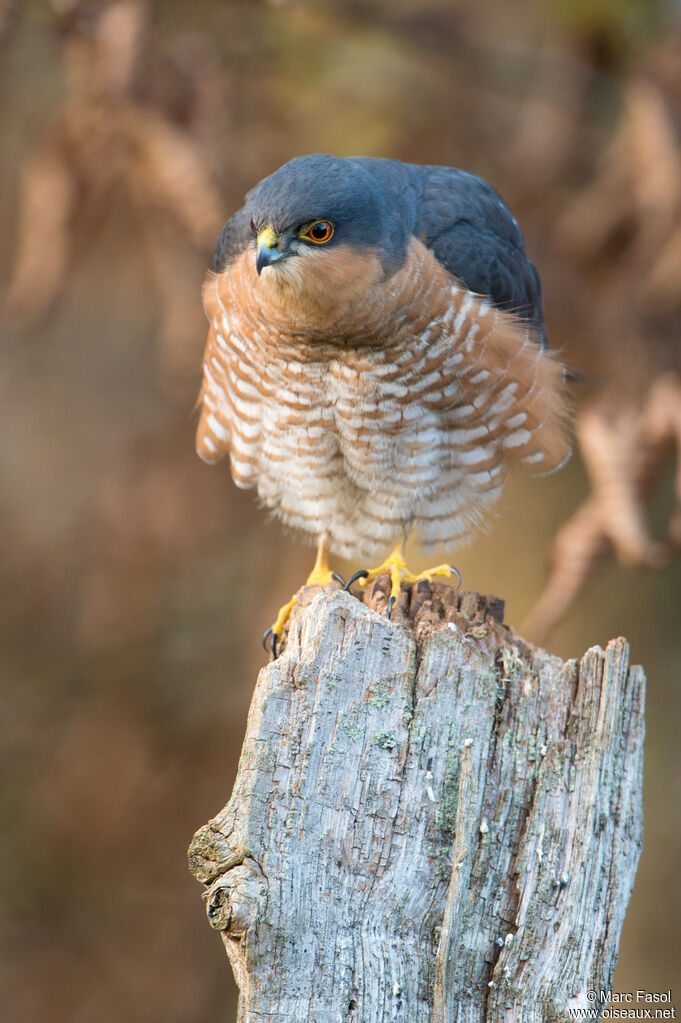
[{"x": 432, "y": 821}]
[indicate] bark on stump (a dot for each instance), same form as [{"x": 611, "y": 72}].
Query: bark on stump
[{"x": 432, "y": 821}]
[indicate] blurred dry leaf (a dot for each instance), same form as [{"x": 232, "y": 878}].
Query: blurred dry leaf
[
  {"x": 107, "y": 140},
  {"x": 626, "y": 449},
  {"x": 622, "y": 235},
  {"x": 636, "y": 194}
]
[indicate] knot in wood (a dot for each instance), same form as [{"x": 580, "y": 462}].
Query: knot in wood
[{"x": 234, "y": 900}]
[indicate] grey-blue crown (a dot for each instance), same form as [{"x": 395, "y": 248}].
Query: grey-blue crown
[{"x": 333, "y": 188}]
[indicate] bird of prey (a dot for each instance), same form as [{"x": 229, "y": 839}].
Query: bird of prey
[{"x": 377, "y": 357}]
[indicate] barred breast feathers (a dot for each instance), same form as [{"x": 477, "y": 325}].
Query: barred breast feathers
[
  {"x": 429, "y": 374},
  {"x": 495, "y": 376}
]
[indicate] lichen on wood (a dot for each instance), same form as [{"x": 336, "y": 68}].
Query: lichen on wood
[{"x": 432, "y": 821}]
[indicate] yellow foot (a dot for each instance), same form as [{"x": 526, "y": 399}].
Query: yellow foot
[
  {"x": 320, "y": 575},
  {"x": 396, "y": 567}
]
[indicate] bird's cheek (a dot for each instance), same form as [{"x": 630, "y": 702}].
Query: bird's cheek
[
  {"x": 340, "y": 276},
  {"x": 282, "y": 276}
]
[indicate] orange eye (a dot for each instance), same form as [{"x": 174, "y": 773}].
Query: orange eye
[{"x": 319, "y": 232}]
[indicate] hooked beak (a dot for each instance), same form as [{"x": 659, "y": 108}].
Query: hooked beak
[{"x": 268, "y": 250}]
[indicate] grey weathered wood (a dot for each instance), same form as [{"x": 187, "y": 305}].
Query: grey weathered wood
[{"x": 432, "y": 822}]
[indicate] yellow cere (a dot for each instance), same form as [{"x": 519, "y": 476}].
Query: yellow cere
[{"x": 267, "y": 237}]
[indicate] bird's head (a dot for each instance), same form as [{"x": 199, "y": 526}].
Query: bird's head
[{"x": 320, "y": 224}]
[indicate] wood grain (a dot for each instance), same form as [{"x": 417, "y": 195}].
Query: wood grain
[{"x": 432, "y": 821}]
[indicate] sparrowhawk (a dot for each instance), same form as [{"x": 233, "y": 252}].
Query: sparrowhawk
[{"x": 377, "y": 356}]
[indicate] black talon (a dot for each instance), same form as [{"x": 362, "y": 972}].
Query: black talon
[
  {"x": 391, "y": 605},
  {"x": 362, "y": 574},
  {"x": 458, "y": 576},
  {"x": 339, "y": 579},
  {"x": 269, "y": 642}
]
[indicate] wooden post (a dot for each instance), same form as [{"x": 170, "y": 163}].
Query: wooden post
[{"x": 432, "y": 821}]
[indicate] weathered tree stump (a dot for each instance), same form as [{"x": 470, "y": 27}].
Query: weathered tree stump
[{"x": 432, "y": 821}]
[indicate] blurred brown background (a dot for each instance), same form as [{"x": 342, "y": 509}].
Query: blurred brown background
[{"x": 136, "y": 581}]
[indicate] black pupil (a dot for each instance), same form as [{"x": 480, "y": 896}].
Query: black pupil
[{"x": 320, "y": 230}]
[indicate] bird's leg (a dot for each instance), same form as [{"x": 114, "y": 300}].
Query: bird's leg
[
  {"x": 396, "y": 567},
  {"x": 320, "y": 575}
]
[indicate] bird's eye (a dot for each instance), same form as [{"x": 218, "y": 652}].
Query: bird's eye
[{"x": 319, "y": 232}]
